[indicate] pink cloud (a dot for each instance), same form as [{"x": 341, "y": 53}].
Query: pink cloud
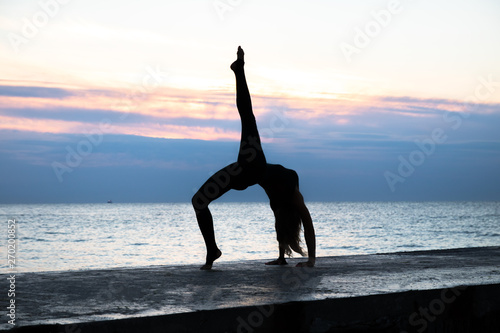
[{"x": 210, "y": 115}]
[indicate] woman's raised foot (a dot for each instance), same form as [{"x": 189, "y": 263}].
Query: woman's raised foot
[{"x": 240, "y": 60}]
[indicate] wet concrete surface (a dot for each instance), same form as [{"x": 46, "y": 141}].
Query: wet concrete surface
[{"x": 83, "y": 296}]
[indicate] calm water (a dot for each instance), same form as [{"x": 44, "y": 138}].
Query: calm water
[{"x": 88, "y": 236}]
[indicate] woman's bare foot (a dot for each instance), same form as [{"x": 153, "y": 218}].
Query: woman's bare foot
[
  {"x": 279, "y": 261},
  {"x": 211, "y": 259},
  {"x": 240, "y": 61}
]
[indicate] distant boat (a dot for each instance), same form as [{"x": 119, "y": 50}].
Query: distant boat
[{"x": 110, "y": 201}]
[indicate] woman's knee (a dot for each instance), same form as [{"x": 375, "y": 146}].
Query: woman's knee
[
  {"x": 209, "y": 192},
  {"x": 199, "y": 201}
]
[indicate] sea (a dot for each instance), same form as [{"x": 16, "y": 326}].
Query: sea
[{"x": 56, "y": 237}]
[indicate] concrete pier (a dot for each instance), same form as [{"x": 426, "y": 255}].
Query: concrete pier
[{"x": 427, "y": 291}]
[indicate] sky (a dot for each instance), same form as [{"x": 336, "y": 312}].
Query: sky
[{"x": 135, "y": 102}]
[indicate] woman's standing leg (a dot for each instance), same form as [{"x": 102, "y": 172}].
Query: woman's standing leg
[{"x": 221, "y": 182}]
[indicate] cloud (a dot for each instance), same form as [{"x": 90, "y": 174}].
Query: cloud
[
  {"x": 33, "y": 91},
  {"x": 183, "y": 114},
  {"x": 297, "y": 124},
  {"x": 414, "y": 100}
]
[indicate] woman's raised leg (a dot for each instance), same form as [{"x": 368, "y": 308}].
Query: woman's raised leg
[{"x": 251, "y": 152}]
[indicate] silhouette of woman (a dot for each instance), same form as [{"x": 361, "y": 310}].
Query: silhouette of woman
[{"x": 250, "y": 168}]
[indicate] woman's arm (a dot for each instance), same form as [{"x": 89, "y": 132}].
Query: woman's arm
[{"x": 309, "y": 234}]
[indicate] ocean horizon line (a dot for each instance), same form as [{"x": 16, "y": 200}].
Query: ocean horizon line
[{"x": 244, "y": 201}]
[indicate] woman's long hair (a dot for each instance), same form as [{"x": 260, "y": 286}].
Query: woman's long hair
[{"x": 288, "y": 226}]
